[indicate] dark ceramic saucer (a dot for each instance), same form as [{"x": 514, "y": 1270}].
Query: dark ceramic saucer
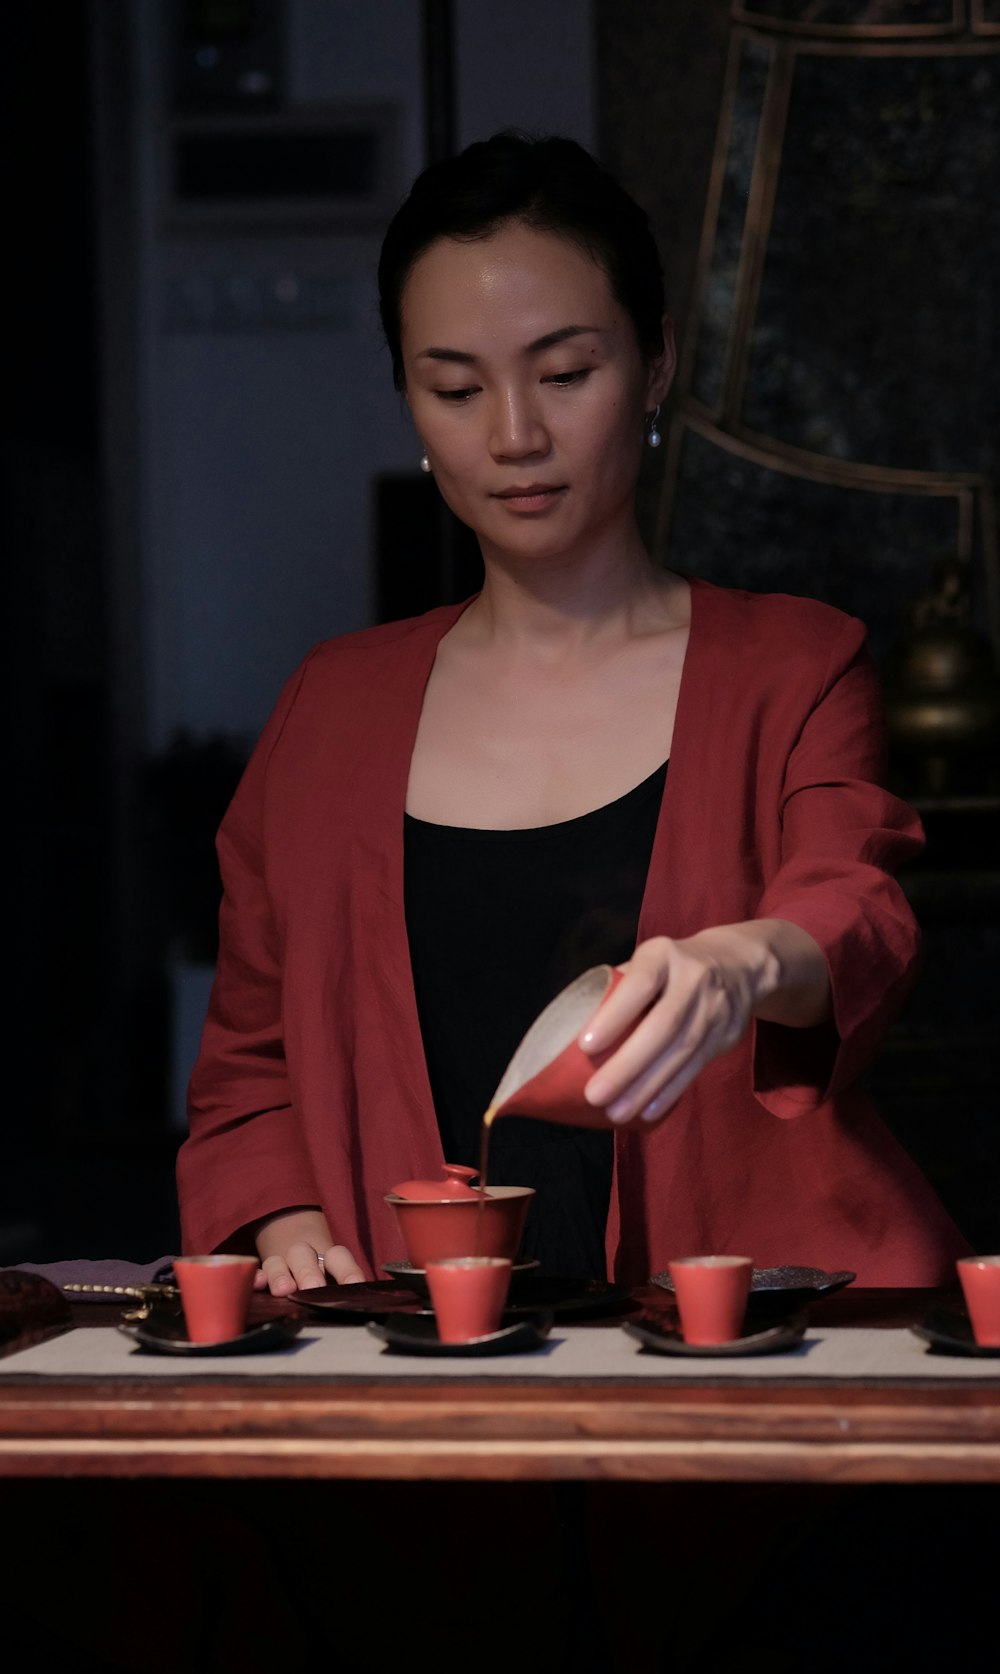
[
  {"x": 417, "y": 1334},
  {"x": 569, "y": 1298},
  {"x": 404, "y": 1273},
  {"x": 370, "y": 1301},
  {"x": 532, "y": 1293},
  {"x": 165, "y": 1333},
  {"x": 663, "y": 1336},
  {"x": 777, "y": 1289},
  {"x": 949, "y": 1331}
]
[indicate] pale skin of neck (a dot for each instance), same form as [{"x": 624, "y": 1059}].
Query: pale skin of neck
[{"x": 553, "y": 694}]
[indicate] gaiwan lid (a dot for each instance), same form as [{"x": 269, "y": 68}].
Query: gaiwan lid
[{"x": 455, "y": 1183}]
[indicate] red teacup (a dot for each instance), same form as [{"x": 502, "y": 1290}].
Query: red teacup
[
  {"x": 468, "y": 1294},
  {"x": 980, "y": 1280},
  {"x": 215, "y": 1295},
  {"x": 711, "y": 1293}
]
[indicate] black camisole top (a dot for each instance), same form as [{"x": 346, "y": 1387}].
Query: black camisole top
[{"x": 498, "y": 922}]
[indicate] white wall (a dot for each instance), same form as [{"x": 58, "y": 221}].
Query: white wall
[{"x": 259, "y": 442}]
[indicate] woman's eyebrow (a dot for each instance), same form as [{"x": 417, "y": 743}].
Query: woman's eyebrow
[
  {"x": 548, "y": 341},
  {"x": 551, "y": 338}
]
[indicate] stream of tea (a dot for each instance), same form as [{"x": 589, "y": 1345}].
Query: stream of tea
[{"x": 484, "y": 1157}]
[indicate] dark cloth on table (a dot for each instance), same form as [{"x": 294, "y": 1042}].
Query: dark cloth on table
[
  {"x": 104, "y": 1272},
  {"x": 499, "y": 922}
]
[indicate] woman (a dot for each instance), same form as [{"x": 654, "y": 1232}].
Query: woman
[{"x": 593, "y": 759}]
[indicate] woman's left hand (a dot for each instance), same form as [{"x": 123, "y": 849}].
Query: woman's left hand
[{"x": 695, "y": 999}]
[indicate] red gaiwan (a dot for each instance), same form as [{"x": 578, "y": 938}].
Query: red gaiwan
[{"x": 439, "y": 1219}]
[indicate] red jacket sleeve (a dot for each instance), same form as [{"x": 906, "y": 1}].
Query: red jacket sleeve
[
  {"x": 842, "y": 837},
  {"x": 244, "y": 1156}
]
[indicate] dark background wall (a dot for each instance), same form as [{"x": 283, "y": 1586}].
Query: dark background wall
[
  {"x": 835, "y": 425},
  {"x": 116, "y": 794},
  {"x": 60, "y": 884}
]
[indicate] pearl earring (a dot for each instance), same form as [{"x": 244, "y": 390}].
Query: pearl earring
[
  {"x": 425, "y": 463},
  {"x": 653, "y": 436}
]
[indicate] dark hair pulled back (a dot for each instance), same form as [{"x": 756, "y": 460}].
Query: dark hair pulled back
[{"x": 550, "y": 184}]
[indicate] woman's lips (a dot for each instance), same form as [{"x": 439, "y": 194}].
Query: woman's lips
[{"x": 530, "y": 497}]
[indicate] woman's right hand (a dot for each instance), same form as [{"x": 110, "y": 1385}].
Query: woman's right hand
[{"x": 297, "y": 1253}]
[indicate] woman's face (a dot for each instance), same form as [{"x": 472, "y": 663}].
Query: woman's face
[{"x": 528, "y": 390}]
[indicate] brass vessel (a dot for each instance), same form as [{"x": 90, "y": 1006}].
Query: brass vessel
[{"x": 943, "y": 697}]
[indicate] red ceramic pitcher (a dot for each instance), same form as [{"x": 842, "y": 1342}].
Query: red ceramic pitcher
[{"x": 549, "y": 1070}]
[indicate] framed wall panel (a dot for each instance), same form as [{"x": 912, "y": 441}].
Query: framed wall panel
[{"x": 838, "y": 394}]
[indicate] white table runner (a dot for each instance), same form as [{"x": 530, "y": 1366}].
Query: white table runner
[{"x": 570, "y": 1352}]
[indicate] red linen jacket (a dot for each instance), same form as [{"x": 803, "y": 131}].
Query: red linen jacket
[{"x": 311, "y": 1085}]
